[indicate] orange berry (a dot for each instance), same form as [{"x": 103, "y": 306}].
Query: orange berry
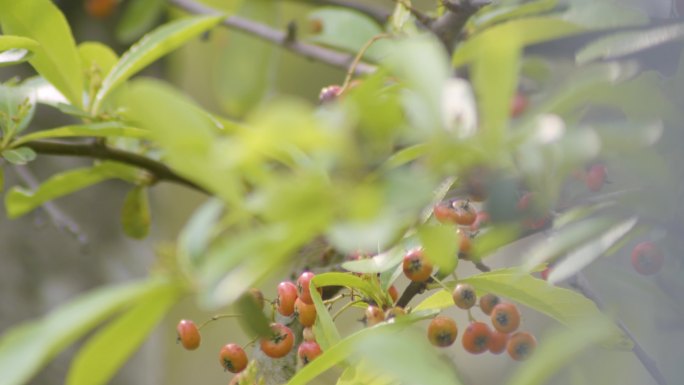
[
  {"x": 464, "y": 296},
  {"x": 497, "y": 342},
  {"x": 487, "y": 303},
  {"x": 521, "y": 345},
  {"x": 188, "y": 334},
  {"x": 100, "y": 9},
  {"x": 287, "y": 295},
  {"x": 476, "y": 338},
  {"x": 442, "y": 331},
  {"x": 505, "y": 317},
  {"x": 374, "y": 315},
  {"x": 393, "y": 293},
  {"x": 308, "y": 351},
  {"x": 416, "y": 266},
  {"x": 303, "y": 286},
  {"x": 279, "y": 343},
  {"x": 233, "y": 358},
  {"x": 305, "y": 313}
]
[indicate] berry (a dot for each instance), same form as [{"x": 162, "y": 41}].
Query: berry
[
  {"x": 100, "y": 9},
  {"x": 442, "y": 331},
  {"x": 595, "y": 177},
  {"x": 497, "y": 342},
  {"x": 287, "y": 295},
  {"x": 393, "y": 313},
  {"x": 444, "y": 212},
  {"x": 505, "y": 317},
  {"x": 465, "y": 213},
  {"x": 374, "y": 315},
  {"x": 464, "y": 296},
  {"x": 521, "y": 345},
  {"x": 393, "y": 293},
  {"x": 416, "y": 267},
  {"x": 303, "y": 286},
  {"x": 518, "y": 104},
  {"x": 476, "y": 338},
  {"x": 280, "y": 343},
  {"x": 329, "y": 93},
  {"x": 188, "y": 334},
  {"x": 532, "y": 219},
  {"x": 308, "y": 334},
  {"x": 487, "y": 303},
  {"x": 647, "y": 258},
  {"x": 233, "y": 358},
  {"x": 464, "y": 244},
  {"x": 308, "y": 351},
  {"x": 305, "y": 313}
]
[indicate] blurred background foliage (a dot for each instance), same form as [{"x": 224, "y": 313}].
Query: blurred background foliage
[{"x": 619, "y": 100}]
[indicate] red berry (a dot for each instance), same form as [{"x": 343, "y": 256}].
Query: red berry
[
  {"x": 487, "y": 303},
  {"x": 279, "y": 343},
  {"x": 464, "y": 296},
  {"x": 596, "y": 177},
  {"x": 416, "y": 267},
  {"x": 233, "y": 358},
  {"x": 305, "y": 312},
  {"x": 329, "y": 93},
  {"x": 518, "y": 104},
  {"x": 647, "y": 258},
  {"x": 287, "y": 295},
  {"x": 505, "y": 317},
  {"x": 465, "y": 213},
  {"x": 308, "y": 351},
  {"x": 442, "y": 331},
  {"x": 393, "y": 293},
  {"x": 521, "y": 345},
  {"x": 374, "y": 315},
  {"x": 476, "y": 338},
  {"x": 303, "y": 286},
  {"x": 545, "y": 273},
  {"x": 188, "y": 334},
  {"x": 497, "y": 342},
  {"x": 444, "y": 212}
]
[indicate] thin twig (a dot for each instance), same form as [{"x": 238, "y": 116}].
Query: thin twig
[
  {"x": 357, "y": 60},
  {"x": 265, "y": 32},
  {"x": 580, "y": 283},
  {"x": 158, "y": 170}
]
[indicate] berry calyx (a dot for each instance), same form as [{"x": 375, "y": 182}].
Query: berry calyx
[
  {"x": 464, "y": 296},
  {"x": 647, "y": 258},
  {"x": 188, "y": 334},
  {"x": 233, "y": 358},
  {"x": 487, "y": 303},
  {"x": 287, "y": 295},
  {"x": 476, "y": 338},
  {"x": 442, "y": 331},
  {"x": 303, "y": 283},
  {"x": 497, "y": 342},
  {"x": 505, "y": 317},
  {"x": 374, "y": 315},
  {"x": 308, "y": 351},
  {"x": 416, "y": 266},
  {"x": 305, "y": 312},
  {"x": 521, "y": 345},
  {"x": 279, "y": 343}
]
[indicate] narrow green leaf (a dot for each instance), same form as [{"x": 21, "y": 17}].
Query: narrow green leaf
[
  {"x": 26, "y": 348},
  {"x": 16, "y": 49},
  {"x": 559, "y": 349},
  {"x": 252, "y": 317},
  {"x": 19, "y": 201},
  {"x": 599, "y": 15},
  {"x": 324, "y": 328},
  {"x": 151, "y": 47},
  {"x": 135, "y": 213},
  {"x": 19, "y": 156},
  {"x": 495, "y": 14},
  {"x": 563, "y": 305},
  {"x": 106, "y": 352},
  {"x": 626, "y": 43},
  {"x": 440, "y": 244},
  {"x": 138, "y": 17},
  {"x": 97, "y": 55},
  {"x": 56, "y": 59},
  {"x": 100, "y": 130},
  {"x": 350, "y": 281}
]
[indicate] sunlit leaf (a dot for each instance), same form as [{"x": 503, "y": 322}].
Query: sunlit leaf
[
  {"x": 16, "y": 49},
  {"x": 97, "y": 55},
  {"x": 56, "y": 59},
  {"x": 27, "y": 347},
  {"x": 104, "y": 129},
  {"x": 440, "y": 244},
  {"x": 104, "y": 353},
  {"x": 325, "y": 330}
]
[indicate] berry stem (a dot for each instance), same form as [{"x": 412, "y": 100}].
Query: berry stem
[
  {"x": 218, "y": 317},
  {"x": 357, "y": 59},
  {"x": 345, "y": 307},
  {"x": 440, "y": 283},
  {"x": 250, "y": 343}
]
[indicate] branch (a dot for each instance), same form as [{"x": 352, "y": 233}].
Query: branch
[
  {"x": 448, "y": 27},
  {"x": 264, "y": 32},
  {"x": 580, "y": 283},
  {"x": 158, "y": 170},
  {"x": 376, "y": 13}
]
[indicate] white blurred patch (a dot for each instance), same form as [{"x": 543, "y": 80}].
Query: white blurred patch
[
  {"x": 550, "y": 128},
  {"x": 459, "y": 114}
]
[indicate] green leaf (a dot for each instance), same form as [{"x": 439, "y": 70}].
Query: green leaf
[
  {"x": 56, "y": 59},
  {"x": 252, "y": 317},
  {"x": 563, "y": 305},
  {"x": 598, "y": 15},
  {"x": 138, "y": 17},
  {"x": 626, "y": 43},
  {"x": 19, "y": 201},
  {"x": 495, "y": 14},
  {"x": 106, "y": 352},
  {"x": 439, "y": 300},
  {"x": 19, "y": 156},
  {"x": 198, "y": 232},
  {"x": 362, "y": 373},
  {"x": 26, "y": 348},
  {"x": 557, "y": 350},
  {"x": 16, "y": 49},
  {"x": 242, "y": 81},
  {"x": 135, "y": 213},
  {"x": 100, "y": 130},
  {"x": 440, "y": 244},
  {"x": 378, "y": 263},
  {"x": 343, "y": 350},
  {"x": 17, "y": 108},
  {"x": 97, "y": 55},
  {"x": 350, "y": 281},
  {"x": 151, "y": 47},
  {"x": 347, "y": 30}
]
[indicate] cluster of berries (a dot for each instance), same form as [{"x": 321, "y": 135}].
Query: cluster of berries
[{"x": 294, "y": 300}]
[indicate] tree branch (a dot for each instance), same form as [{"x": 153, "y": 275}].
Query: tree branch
[
  {"x": 158, "y": 170},
  {"x": 581, "y": 284},
  {"x": 265, "y": 32},
  {"x": 376, "y": 13}
]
